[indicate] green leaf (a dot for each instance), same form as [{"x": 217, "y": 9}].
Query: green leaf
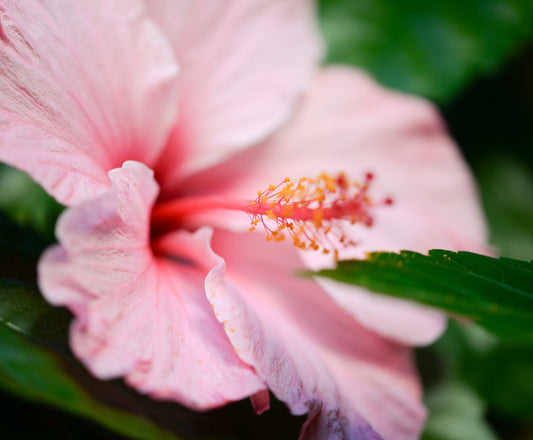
[
  {"x": 22, "y": 308},
  {"x": 26, "y": 202},
  {"x": 34, "y": 373},
  {"x": 456, "y": 413},
  {"x": 496, "y": 293},
  {"x": 431, "y": 48}
]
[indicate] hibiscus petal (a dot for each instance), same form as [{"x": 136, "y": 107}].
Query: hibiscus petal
[
  {"x": 351, "y": 124},
  {"x": 352, "y": 383},
  {"x": 83, "y": 87},
  {"x": 137, "y": 315},
  {"x": 244, "y": 64}
]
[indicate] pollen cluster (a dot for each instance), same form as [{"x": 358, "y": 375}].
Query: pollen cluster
[{"x": 314, "y": 212}]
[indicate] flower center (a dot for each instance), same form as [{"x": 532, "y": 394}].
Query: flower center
[{"x": 314, "y": 212}]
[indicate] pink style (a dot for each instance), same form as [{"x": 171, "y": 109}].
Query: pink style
[{"x": 171, "y": 129}]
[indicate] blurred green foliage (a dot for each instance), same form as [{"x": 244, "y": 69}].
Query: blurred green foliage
[
  {"x": 457, "y": 414},
  {"x": 498, "y": 374},
  {"x": 507, "y": 192},
  {"x": 430, "y": 48}
]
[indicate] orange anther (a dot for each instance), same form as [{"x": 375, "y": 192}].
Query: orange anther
[{"x": 316, "y": 212}]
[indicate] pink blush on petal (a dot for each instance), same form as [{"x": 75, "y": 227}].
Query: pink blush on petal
[
  {"x": 84, "y": 86},
  {"x": 140, "y": 315},
  {"x": 245, "y": 66}
]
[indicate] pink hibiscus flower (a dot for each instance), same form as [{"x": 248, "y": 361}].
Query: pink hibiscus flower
[{"x": 153, "y": 121}]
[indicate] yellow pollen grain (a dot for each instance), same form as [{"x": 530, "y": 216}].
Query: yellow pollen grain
[{"x": 286, "y": 193}]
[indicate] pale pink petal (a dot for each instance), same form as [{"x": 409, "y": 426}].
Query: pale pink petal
[
  {"x": 244, "y": 64},
  {"x": 137, "y": 315},
  {"x": 351, "y": 124},
  {"x": 313, "y": 356},
  {"x": 84, "y": 86}
]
